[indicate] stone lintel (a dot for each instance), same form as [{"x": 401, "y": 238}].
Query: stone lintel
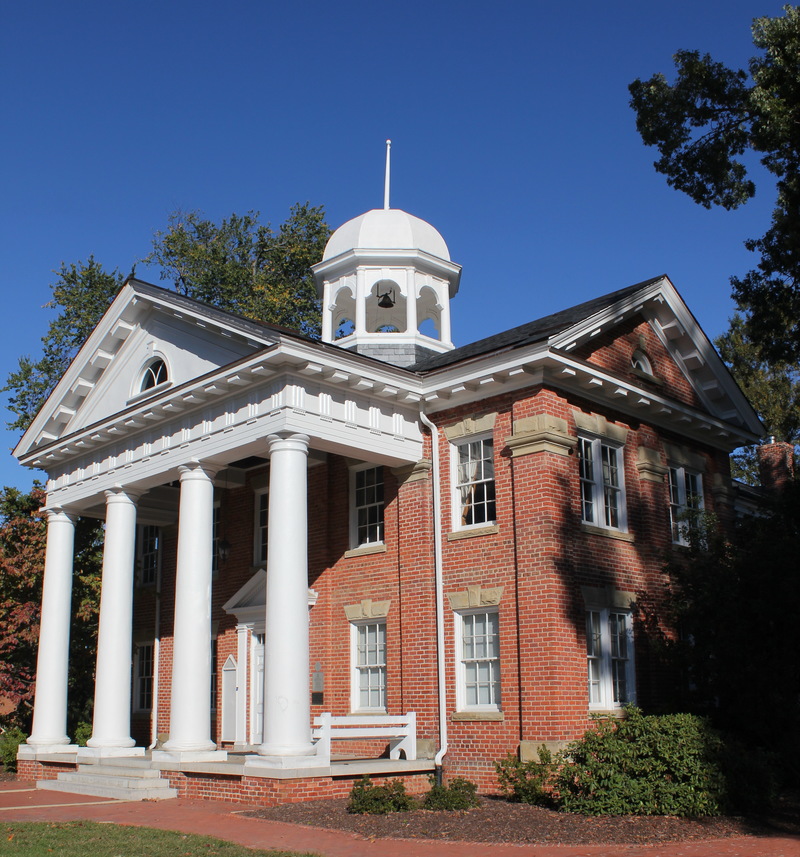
[
  {"x": 541, "y": 433},
  {"x": 413, "y": 472},
  {"x": 649, "y": 465},
  {"x": 367, "y": 609},
  {"x": 475, "y": 596}
]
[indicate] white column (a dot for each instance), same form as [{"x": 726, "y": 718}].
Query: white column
[
  {"x": 111, "y": 726},
  {"x": 361, "y": 303},
  {"x": 327, "y": 314},
  {"x": 411, "y": 302},
  {"x": 287, "y": 702},
  {"x": 444, "y": 315},
  {"x": 52, "y": 665},
  {"x": 243, "y": 631},
  {"x": 190, "y": 707}
]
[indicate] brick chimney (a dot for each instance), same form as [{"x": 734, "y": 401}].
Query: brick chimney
[{"x": 775, "y": 464}]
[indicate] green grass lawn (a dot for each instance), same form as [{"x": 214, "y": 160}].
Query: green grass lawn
[{"x": 89, "y": 839}]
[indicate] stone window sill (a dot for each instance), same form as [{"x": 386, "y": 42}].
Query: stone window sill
[
  {"x": 609, "y": 534},
  {"x": 366, "y": 550},
  {"x": 477, "y": 716},
  {"x": 472, "y": 533}
]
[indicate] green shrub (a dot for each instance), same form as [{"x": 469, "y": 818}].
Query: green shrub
[
  {"x": 10, "y": 740},
  {"x": 458, "y": 794},
  {"x": 83, "y": 732},
  {"x": 656, "y": 765},
  {"x": 378, "y": 800},
  {"x": 527, "y": 782}
]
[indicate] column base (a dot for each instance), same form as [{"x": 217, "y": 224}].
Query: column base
[
  {"x": 304, "y": 749},
  {"x": 109, "y": 752},
  {"x": 190, "y": 755},
  {"x": 287, "y": 762},
  {"x": 32, "y": 751}
]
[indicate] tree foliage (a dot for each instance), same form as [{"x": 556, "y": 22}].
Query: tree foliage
[
  {"x": 736, "y": 599},
  {"x": 772, "y": 387},
  {"x": 245, "y": 266},
  {"x": 703, "y": 124},
  {"x": 22, "y": 549}
]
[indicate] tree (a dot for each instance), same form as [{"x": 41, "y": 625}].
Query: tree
[
  {"x": 773, "y": 388},
  {"x": 735, "y": 596},
  {"x": 82, "y": 293},
  {"x": 22, "y": 549},
  {"x": 246, "y": 267},
  {"x": 702, "y": 125}
]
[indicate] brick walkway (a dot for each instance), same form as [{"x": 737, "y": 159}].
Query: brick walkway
[{"x": 21, "y": 801}]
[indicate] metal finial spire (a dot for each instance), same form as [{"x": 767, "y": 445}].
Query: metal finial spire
[{"x": 386, "y": 180}]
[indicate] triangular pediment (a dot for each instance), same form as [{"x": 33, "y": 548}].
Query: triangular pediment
[
  {"x": 656, "y": 320},
  {"x": 143, "y": 325}
]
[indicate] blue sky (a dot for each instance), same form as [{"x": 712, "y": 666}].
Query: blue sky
[{"x": 510, "y": 126}]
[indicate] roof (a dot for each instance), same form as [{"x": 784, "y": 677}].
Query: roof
[{"x": 529, "y": 333}]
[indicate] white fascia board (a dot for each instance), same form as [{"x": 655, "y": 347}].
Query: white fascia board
[
  {"x": 592, "y": 383},
  {"x": 129, "y": 304},
  {"x": 76, "y": 369},
  {"x": 482, "y": 376},
  {"x": 419, "y": 259},
  {"x": 654, "y": 301}
]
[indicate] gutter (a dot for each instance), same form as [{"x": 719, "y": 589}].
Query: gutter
[{"x": 439, "y": 583}]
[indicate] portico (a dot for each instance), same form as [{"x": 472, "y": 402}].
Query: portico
[{"x": 277, "y": 402}]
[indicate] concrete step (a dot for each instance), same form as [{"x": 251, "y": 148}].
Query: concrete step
[
  {"x": 143, "y": 771},
  {"x": 117, "y": 792},
  {"x": 103, "y": 779},
  {"x": 124, "y": 779}
]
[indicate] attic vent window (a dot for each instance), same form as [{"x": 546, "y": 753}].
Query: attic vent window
[
  {"x": 640, "y": 362},
  {"x": 154, "y": 374}
]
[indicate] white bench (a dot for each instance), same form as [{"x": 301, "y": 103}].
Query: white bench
[{"x": 400, "y": 731}]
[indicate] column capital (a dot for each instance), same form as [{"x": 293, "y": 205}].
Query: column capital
[
  {"x": 195, "y": 469},
  {"x": 121, "y": 494},
  {"x": 288, "y": 441},
  {"x": 59, "y": 514}
]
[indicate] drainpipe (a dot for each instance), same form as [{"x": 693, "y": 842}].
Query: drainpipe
[{"x": 437, "y": 564}]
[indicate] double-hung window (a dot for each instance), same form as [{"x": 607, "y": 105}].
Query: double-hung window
[
  {"x": 602, "y": 483},
  {"x": 609, "y": 658},
  {"x": 478, "y": 660},
  {"x": 366, "y": 506},
  {"x": 148, "y": 543},
  {"x": 685, "y": 500},
  {"x": 474, "y": 497},
  {"x": 261, "y": 524},
  {"x": 143, "y": 684},
  {"x": 369, "y": 665}
]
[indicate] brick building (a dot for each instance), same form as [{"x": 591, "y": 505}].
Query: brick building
[{"x": 373, "y": 524}]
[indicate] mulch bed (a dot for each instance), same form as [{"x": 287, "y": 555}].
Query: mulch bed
[{"x": 497, "y": 820}]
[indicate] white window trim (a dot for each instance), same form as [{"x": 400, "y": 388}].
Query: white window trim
[
  {"x": 598, "y": 484},
  {"x": 354, "y": 541},
  {"x": 140, "y": 555},
  {"x": 356, "y": 668},
  {"x": 461, "y": 671},
  {"x": 606, "y": 701},
  {"x": 679, "y": 506},
  {"x": 138, "y": 678},
  {"x": 258, "y": 560},
  {"x": 215, "y": 538},
  {"x": 455, "y": 494}
]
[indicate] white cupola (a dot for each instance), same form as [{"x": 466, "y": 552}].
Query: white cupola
[{"x": 386, "y": 280}]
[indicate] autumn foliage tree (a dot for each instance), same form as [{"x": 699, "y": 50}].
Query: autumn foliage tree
[{"x": 23, "y": 535}]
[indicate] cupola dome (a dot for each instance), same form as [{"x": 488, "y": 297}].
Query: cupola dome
[{"x": 386, "y": 229}]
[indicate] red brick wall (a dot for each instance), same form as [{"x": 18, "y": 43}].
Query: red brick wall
[{"x": 540, "y": 555}]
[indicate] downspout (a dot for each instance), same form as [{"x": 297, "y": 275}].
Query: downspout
[
  {"x": 438, "y": 576},
  {"x": 156, "y": 649}
]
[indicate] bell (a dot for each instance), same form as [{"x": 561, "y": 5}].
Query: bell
[{"x": 386, "y": 301}]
